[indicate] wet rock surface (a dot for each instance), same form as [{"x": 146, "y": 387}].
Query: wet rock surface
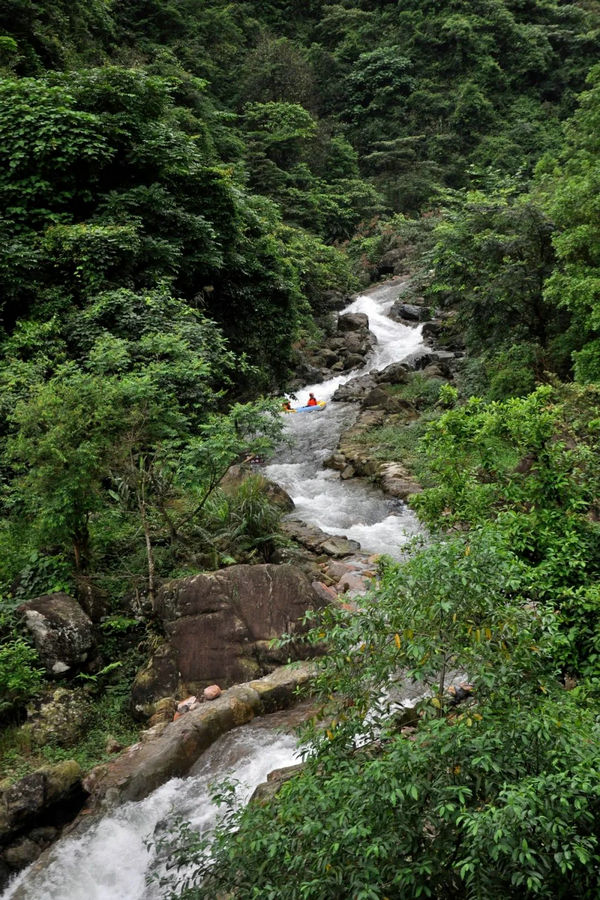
[
  {"x": 171, "y": 751},
  {"x": 318, "y": 541},
  {"x": 33, "y": 811},
  {"x": 347, "y": 348}
]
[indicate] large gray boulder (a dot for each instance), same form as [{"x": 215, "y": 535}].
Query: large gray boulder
[
  {"x": 408, "y": 312},
  {"x": 63, "y": 634},
  {"x": 355, "y": 389},
  {"x": 353, "y": 322},
  {"x": 219, "y": 625},
  {"x": 395, "y": 373}
]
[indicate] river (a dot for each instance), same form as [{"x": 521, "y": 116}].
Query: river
[{"x": 112, "y": 859}]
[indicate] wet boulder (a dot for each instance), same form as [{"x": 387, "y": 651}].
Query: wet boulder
[
  {"x": 318, "y": 541},
  {"x": 339, "y": 546},
  {"x": 33, "y": 809},
  {"x": 355, "y": 389},
  {"x": 353, "y": 361},
  {"x": 408, "y": 312},
  {"x": 418, "y": 360},
  {"x": 379, "y": 398},
  {"x": 266, "y": 792},
  {"x": 63, "y": 634},
  {"x": 171, "y": 750},
  {"x": 431, "y": 331},
  {"x": 353, "y": 322},
  {"x": 395, "y": 373}
]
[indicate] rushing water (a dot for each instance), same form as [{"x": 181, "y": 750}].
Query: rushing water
[
  {"x": 112, "y": 858},
  {"x": 351, "y": 508}
]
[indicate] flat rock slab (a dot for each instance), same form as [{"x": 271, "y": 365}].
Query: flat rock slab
[
  {"x": 146, "y": 765},
  {"x": 319, "y": 541},
  {"x": 339, "y": 547}
]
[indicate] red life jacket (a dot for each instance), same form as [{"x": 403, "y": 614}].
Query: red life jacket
[{"x": 312, "y": 402}]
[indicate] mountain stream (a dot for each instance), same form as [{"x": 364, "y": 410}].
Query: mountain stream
[{"x": 111, "y": 859}]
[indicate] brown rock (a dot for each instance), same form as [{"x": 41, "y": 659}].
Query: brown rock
[
  {"x": 326, "y": 592},
  {"x": 353, "y": 582},
  {"x": 376, "y": 397},
  {"x": 337, "y": 569},
  {"x": 215, "y": 622},
  {"x": 353, "y": 361}
]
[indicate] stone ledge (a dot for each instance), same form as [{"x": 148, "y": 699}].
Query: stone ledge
[{"x": 146, "y": 765}]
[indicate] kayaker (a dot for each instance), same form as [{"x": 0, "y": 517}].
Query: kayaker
[
  {"x": 312, "y": 400},
  {"x": 287, "y": 406}
]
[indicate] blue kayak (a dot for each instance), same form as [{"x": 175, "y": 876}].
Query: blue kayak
[{"x": 319, "y": 406}]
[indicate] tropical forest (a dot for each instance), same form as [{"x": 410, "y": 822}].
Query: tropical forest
[{"x": 299, "y": 449}]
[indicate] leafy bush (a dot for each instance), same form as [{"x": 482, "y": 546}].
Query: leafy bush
[
  {"x": 492, "y": 797},
  {"x": 20, "y": 677}
]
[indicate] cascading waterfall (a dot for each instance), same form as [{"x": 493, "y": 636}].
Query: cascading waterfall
[{"x": 111, "y": 860}]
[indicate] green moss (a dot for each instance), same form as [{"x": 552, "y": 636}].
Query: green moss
[{"x": 398, "y": 441}]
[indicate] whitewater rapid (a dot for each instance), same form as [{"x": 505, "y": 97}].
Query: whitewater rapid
[{"x": 353, "y": 507}]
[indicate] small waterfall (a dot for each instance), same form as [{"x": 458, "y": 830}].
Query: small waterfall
[{"x": 112, "y": 859}]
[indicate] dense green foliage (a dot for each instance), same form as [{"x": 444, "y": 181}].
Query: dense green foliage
[
  {"x": 182, "y": 186},
  {"x": 494, "y": 797}
]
